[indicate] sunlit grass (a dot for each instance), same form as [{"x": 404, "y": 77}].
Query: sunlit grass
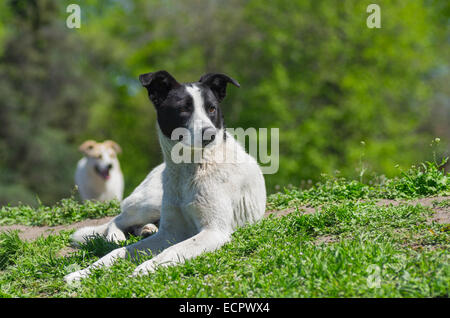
[{"x": 351, "y": 247}]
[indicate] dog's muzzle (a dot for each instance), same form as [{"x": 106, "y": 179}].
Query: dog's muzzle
[{"x": 104, "y": 173}]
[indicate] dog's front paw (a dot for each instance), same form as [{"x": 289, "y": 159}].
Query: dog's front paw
[
  {"x": 148, "y": 230},
  {"x": 116, "y": 236},
  {"x": 75, "y": 276},
  {"x": 144, "y": 269}
]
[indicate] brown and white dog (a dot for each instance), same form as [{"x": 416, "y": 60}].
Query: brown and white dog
[{"x": 98, "y": 175}]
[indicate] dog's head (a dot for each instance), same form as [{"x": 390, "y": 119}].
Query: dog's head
[
  {"x": 101, "y": 156},
  {"x": 189, "y": 112}
]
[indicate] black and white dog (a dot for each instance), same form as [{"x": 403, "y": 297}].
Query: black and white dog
[{"x": 200, "y": 202}]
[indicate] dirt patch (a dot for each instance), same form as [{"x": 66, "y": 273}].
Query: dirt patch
[
  {"x": 29, "y": 233},
  {"x": 427, "y": 202},
  {"x": 325, "y": 239},
  {"x": 441, "y": 215},
  {"x": 301, "y": 209},
  {"x": 441, "y": 212},
  {"x": 66, "y": 251}
]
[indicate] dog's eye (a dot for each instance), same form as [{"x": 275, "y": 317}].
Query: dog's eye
[
  {"x": 211, "y": 109},
  {"x": 99, "y": 156}
]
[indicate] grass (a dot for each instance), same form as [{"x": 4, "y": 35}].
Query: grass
[
  {"x": 425, "y": 180},
  {"x": 66, "y": 211},
  {"x": 352, "y": 247}
]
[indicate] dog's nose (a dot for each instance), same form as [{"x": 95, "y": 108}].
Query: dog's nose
[
  {"x": 109, "y": 167},
  {"x": 208, "y": 135}
]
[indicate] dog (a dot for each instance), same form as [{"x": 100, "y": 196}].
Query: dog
[
  {"x": 200, "y": 203},
  {"x": 98, "y": 175}
]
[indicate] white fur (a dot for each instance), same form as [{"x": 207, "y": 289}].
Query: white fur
[
  {"x": 202, "y": 204},
  {"x": 92, "y": 186},
  {"x": 199, "y": 115}
]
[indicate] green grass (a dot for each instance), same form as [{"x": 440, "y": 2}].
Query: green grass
[
  {"x": 351, "y": 248},
  {"x": 442, "y": 204},
  {"x": 66, "y": 211},
  {"x": 425, "y": 180}
]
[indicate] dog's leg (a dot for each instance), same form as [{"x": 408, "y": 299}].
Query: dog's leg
[
  {"x": 141, "y": 217},
  {"x": 109, "y": 230},
  {"x": 85, "y": 233},
  {"x": 205, "y": 241},
  {"x": 114, "y": 233},
  {"x": 153, "y": 244},
  {"x": 140, "y": 208},
  {"x": 139, "y": 222}
]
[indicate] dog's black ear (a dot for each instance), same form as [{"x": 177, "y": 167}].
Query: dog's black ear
[
  {"x": 158, "y": 85},
  {"x": 218, "y": 84}
]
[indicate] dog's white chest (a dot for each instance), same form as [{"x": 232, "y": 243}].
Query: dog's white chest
[{"x": 188, "y": 196}]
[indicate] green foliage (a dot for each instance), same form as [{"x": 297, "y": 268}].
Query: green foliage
[
  {"x": 442, "y": 204},
  {"x": 44, "y": 102},
  {"x": 98, "y": 246},
  {"x": 310, "y": 68},
  {"x": 11, "y": 248},
  {"x": 426, "y": 179}
]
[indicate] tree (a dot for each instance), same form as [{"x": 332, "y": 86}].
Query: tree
[{"x": 43, "y": 104}]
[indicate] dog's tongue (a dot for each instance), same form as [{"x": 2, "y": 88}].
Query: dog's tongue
[{"x": 105, "y": 174}]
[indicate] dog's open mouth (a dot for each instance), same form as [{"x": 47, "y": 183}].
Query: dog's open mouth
[{"x": 104, "y": 173}]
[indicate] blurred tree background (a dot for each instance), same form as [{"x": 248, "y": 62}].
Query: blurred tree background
[{"x": 345, "y": 97}]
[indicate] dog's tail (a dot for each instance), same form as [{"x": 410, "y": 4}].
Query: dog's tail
[{"x": 82, "y": 235}]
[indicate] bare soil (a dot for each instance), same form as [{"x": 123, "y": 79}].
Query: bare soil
[
  {"x": 441, "y": 215},
  {"x": 33, "y": 232}
]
